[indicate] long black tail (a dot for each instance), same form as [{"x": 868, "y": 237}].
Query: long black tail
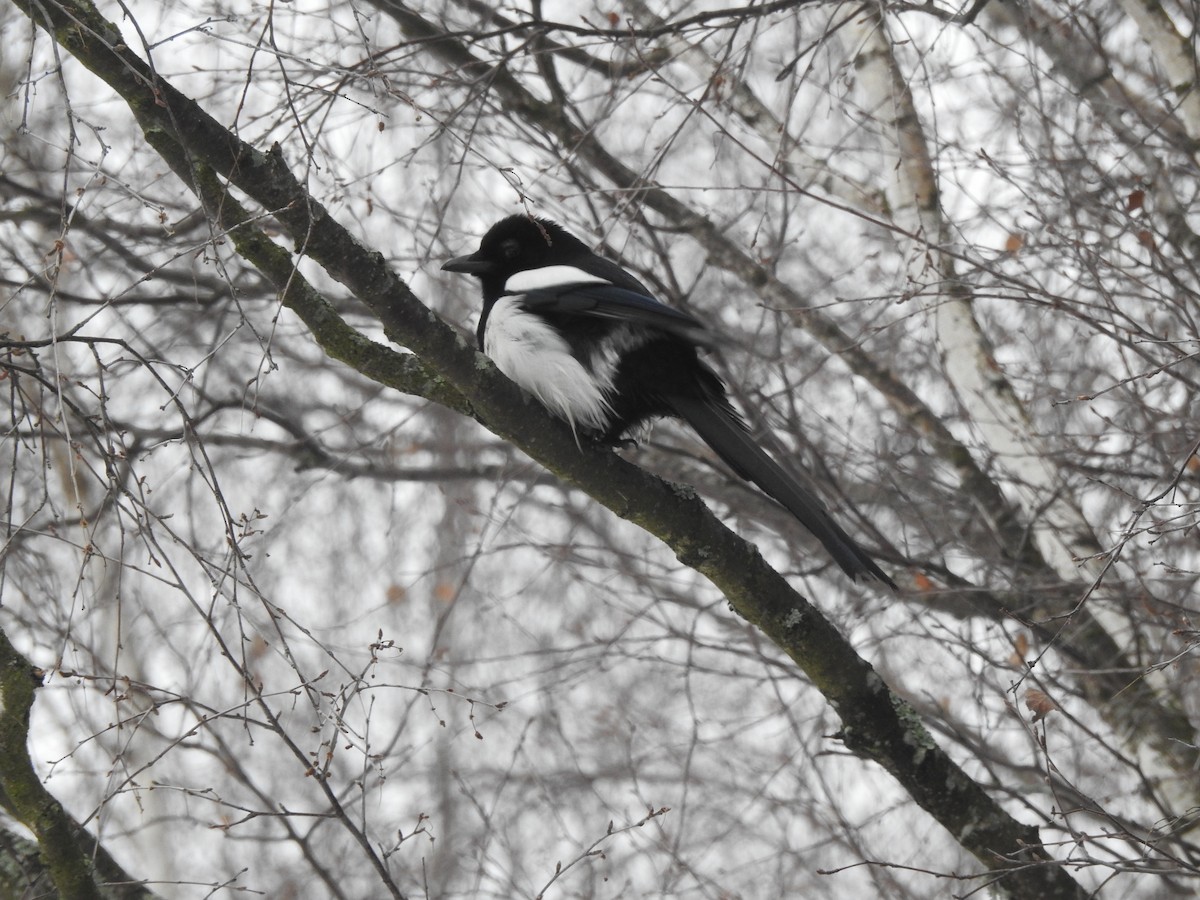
[{"x": 721, "y": 428}]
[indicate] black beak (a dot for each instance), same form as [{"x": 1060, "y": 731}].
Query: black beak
[{"x": 469, "y": 265}]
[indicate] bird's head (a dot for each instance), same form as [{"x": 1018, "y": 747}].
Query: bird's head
[{"x": 517, "y": 244}]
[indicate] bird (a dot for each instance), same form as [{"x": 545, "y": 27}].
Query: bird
[{"x": 593, "y": 345}]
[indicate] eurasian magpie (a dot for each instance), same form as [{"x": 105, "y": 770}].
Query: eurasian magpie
[{"x": 589, "y": 341}]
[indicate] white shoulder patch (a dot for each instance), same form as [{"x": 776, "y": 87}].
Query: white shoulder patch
[
  {"x": 550, "y": 276},
  {"x": 527, "y": 349}
]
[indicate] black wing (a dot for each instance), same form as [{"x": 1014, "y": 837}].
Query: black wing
[{"x": 607, "y": 301}]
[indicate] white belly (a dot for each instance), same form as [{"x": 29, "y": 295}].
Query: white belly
[{"x": 532, "y": 354}]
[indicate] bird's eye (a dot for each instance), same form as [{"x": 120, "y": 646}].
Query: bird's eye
[{"x": 511, "y": 249}]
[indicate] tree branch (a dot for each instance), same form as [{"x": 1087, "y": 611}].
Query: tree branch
[{"x": 71, "y": 857}]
